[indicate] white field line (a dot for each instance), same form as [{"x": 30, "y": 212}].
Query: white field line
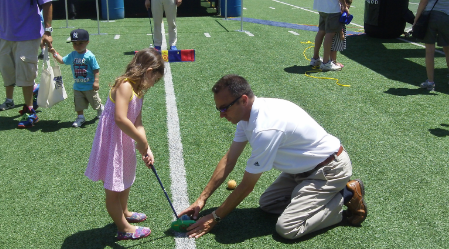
[
  {"x": 178, "y": 188},
  {"x": 207, "y": 34},
  {"x": 293, "y": 32},
  {"x": 358, "y": 25},
  {"x": 116, "y": 37},
  {"x": 249, "y": 33}
]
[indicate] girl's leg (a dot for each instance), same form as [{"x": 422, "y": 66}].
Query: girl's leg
[
  {"x": 430, "y": 64},
  {"x": 115, "y": 210},
  {"x": 334, "y": 56},
  {"x": 124, "y": 202}
]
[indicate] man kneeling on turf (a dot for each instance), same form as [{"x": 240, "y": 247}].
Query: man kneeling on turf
[{"x": 315, "y": 181}]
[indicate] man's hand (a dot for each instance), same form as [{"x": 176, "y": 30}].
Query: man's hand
[
  {"x": 194, "y": 209},
  {"x": 201, "y": 227},
  {"x": 147, "y": 4},
  {"x": 178, "y": 2},
  {"x": 47, "y": 40}
]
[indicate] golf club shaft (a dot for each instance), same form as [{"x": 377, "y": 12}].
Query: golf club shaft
[
  {"x": 165, "y": 192},
  {"x": 151, "y": 25}
]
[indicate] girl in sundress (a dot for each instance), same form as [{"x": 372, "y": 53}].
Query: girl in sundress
[{"x": 119, "y": 133}]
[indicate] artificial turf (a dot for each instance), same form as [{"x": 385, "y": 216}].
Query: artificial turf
[{"x": 395, "y": 133}]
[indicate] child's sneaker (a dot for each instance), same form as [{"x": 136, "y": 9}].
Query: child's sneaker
[
  {"x": 7, "y": 105},
  {"x": 141, "y": 232},
  {"x": 430, "y": 86},
  {"x": 173, "y": 48},
  {"x": 330, "y": 66},
  {"x": 78, "y": 122},
  {"x": 29, "y": 118},
  {"x": 316, "y": 62},
  {"x": 100, "y": 111}
]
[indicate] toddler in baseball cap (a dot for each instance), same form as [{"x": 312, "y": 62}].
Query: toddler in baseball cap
[{"x": 79, "y": 35}]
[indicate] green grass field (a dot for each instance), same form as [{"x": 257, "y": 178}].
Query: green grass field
[{"x": 395, "y": 133}]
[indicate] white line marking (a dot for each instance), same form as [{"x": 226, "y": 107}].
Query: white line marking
[
  {"x": 249, "y": 33},
  {"x": 207, "y": 34},
  {"x": 177, "y": 170},
  {"x": 116, "y": 37},
  {"x": 272, "y": 8},
  {"x": 149, "y": 34},
  {"x": 293, "y": 32},
  {"x": 244, "y": 8}
]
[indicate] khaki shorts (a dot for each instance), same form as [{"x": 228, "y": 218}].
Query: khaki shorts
[
  {"x": 83, "y": 98},
  {"x": 18, "y": 62},
  {"x": 330, "y": 22}
]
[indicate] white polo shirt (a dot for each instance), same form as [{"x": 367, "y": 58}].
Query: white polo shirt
[
  {"x": 283, "y": 136},
  {"x": 327, "y": 6}
]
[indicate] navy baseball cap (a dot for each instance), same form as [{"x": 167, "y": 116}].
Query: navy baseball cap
[{"x": 79, "y": 35}]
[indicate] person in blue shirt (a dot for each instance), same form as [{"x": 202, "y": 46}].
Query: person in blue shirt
[{"x": 85, "y": 70}]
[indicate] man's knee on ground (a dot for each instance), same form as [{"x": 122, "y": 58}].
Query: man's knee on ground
[{"x": 289, "y": 230}]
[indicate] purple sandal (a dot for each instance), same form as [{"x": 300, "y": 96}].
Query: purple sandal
[
  {"x": 136, "y": 217},
  {"x": 141, "y": 232}
]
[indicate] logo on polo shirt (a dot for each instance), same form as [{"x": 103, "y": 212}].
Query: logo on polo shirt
[{"x": 256, "y": 164}]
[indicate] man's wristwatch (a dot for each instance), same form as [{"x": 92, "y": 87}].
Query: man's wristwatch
[
  {"x": 216, "y": 217},
  {"x": 49, "y": 29}
]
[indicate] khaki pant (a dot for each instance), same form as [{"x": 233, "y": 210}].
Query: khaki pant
[
  {"x": 82, "y": 100},
  {"x": 18, "y": 62},
  {"x": 309, "y": 201},
  {"x": 157, "y": 9}
]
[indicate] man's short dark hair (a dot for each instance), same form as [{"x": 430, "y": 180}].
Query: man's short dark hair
[{"x": 236, "y": 85}]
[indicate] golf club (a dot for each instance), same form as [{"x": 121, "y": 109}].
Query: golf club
[
  {"x": 151, "y": 26},
  {"x": 181, "y": 224}
]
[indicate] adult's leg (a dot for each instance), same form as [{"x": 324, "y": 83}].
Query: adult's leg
[
  {"x": 278, "y": 195},
  {"x": 9, "y": 92},
  {"x": 170, "y": 13},
  {"x": 115, "y": 210},
  {"x": 157, "y": 11},
  {"x": 26, "y": 67},
  {"x": 316, "y": 201},
  {"x": 430, "y": 64},
  {"x": 446, "y": 52},
  {"x": 7, "y": 66},
  {"x": 327, "y": 44},
  {"x": 318, "y": 41}
]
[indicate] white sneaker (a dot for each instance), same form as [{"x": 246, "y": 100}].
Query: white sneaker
[
  {"x": 78, "y": 122},
  {"x": 316, "y": 62},
  {"x": 429, "y": 86},
  {"x": 330, "y": 66},
  {"x": 100, "y": 111}
]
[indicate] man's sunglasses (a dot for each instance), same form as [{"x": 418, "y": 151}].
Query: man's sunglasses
[{"x": 224, "y": 109}]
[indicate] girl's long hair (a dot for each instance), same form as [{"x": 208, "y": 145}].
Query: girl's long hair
[{"x": 136, "y": 69}]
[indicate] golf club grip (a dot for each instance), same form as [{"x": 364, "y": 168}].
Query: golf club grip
[{"x": 165, "y": 192}]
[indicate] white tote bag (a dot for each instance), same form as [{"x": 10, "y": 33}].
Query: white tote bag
[{"x": 51, "y": 88}]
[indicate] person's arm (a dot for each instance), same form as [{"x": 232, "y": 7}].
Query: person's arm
[
  {"x": 56, "y": 55},
  {"x": 122, "y": 96},
  {"x": 422, "y": 5},
  {"x": 224, "y": 167},
  {"x": 206, "y": 223},
  {"x": 48, "y": 17},
  {"x": 148, "y": 158},
  {"x": 147, "y": 4},
  {"x": 343, "y": 6},
  {"x": 96, "y": 84}
]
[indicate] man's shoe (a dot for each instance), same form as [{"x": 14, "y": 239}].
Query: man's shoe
[
  {"x": 173, "y": 48},
  {"x": 330, "y": 66},
  {"x": 158, "y": 48},
  {"x": 78, "y": 122},
  {"x": 430, "y": 86},
  {"x": 7, "y": 105},
  {"x": 141, "y": 232},
  {"x": 356, "y": 206},
  {"x": 100, "y": 111},
  {"x": 29, "y": 118},
  {"x": 316, "y": 62}
]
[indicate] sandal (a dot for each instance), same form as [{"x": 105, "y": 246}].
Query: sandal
[
  {"x": 141, "y": 232},
  {"x": 136, "y": 217}
]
